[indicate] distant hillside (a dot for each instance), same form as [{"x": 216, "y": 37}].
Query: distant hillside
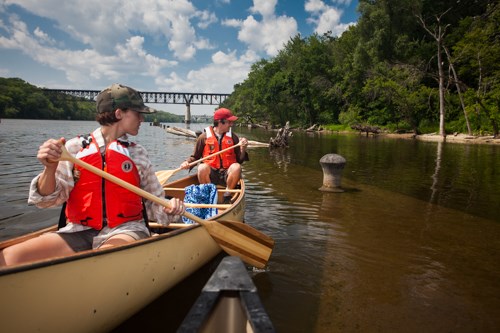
[{"x": 21, "y": 100}]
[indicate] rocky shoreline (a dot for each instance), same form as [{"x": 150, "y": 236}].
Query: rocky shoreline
[
  {"x": 451, "y": 138},
  {"x": 432, "y": 137}
]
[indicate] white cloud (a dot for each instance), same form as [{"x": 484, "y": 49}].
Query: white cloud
[
  {"x": 83, "y": 66},
  {"x": 182, "y": 31},
  {"x": 173, "y": 80},
  {"x": 315, "y": 6},
  {"x": 232, "y": 23},
  {"x": 43, "y": 37},
  {"x": 99, "y": 24},
  {"x": 345, "y": 3},
  {"x": 4, "y": 72},
  {"x": 264, "y": 8},
  {"x": 267, "y": 36},
  {"x": 206, "y": 18},
  {"x": 327, "y": 18},
  {"x": 220, "y": 75}
]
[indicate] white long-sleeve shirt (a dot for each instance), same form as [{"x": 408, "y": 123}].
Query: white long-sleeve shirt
[{"x": 65, "y": 183}]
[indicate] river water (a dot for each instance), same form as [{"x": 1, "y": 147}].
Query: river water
[{"x": 412, "y": 245}]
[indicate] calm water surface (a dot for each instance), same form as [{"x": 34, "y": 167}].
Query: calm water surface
[{"x": 412, "y": 245}]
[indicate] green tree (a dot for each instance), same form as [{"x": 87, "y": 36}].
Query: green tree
[{"x": 478, "y": 54}]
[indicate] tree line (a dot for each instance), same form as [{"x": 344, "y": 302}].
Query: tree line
[
  {"x": 19, "y": 99},
  {"x": 407, "y": 65}
]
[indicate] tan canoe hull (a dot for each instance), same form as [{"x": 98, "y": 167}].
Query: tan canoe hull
[{"x": 94, "y": 291}]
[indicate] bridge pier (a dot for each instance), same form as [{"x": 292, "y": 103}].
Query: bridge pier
[{"x": 187, "y": 118}]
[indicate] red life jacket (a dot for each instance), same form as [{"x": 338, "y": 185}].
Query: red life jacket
[
  {"x": 93, "y": 197},
  {"x": 212, "y": 146}
]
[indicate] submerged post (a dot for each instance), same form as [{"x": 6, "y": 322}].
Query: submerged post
[{"x": 332, "y": 165}]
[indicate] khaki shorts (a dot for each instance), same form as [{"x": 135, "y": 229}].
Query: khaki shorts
[
  {"x": 218, "y": 177},
  {"x": 93, "y": 239}
]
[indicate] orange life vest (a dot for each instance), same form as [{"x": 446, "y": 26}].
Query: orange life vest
[
  {"x": 212, "y": 146},
  {"x": 94, "y": 198}
]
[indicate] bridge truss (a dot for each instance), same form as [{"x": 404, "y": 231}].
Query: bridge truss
[
  {"x": 157, "y": 97},
  {"x": 187, "y": 99}
]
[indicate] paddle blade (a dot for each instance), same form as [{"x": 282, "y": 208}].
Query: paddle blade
[
  {"x": 164, "y": 175},
  {"x": 241, "y": 240}
]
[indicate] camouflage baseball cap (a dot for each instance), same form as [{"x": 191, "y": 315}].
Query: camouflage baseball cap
[{"x": 118, "y": 96}]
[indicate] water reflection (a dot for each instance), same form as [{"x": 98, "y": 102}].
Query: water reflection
[
  {"x": 281, "y": 158},
  {"x": 373, "y": 258},
  {"x": 466, "y": 177},
  {"x": 435, "y": 176}
]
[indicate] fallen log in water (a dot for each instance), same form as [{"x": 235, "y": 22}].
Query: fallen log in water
[
  {"x": 173, "y": 131},
  {"x": 181, "y": 131},
  {"x": 191, "y": 134},
  {"x": 281, "y": 139},
  {"x": 186, "y": 131}
]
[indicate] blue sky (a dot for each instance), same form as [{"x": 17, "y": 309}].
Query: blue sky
[{"x": 155, "y": 45}]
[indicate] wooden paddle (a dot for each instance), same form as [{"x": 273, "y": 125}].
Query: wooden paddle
[
  {"x": 236, "y": 238},
  {"x": 252, "y": 144},
  {"x": 164, "y": 175}
]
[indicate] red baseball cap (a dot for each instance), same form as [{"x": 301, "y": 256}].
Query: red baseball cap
[{"x": 224, "y": 113}]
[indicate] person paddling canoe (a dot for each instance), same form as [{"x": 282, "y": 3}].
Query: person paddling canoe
[
  {"x": 222, "y": 169},
  {"x": 98, "y": 213}
]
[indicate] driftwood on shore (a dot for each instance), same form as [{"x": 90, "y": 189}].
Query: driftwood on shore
[
  {"x": 314, "y": 128},
  {"x": 367, "y": 129}
]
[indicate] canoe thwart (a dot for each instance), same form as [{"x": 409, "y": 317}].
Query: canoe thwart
[
  {"x": 171, "y": 225},
  {"x": 195, "y": 205},
  {"x": 182, "y": 189}
]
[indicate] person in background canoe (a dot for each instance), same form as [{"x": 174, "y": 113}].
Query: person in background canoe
[
  {"x": 99, "y": 213},
  {"x": 223, "y": 169}
]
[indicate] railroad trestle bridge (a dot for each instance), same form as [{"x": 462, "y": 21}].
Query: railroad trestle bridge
[{"x": 187, "y": 99}]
